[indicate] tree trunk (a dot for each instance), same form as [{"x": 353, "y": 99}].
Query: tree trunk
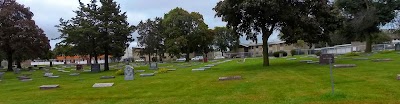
[
  {"x": 18, "y": 62},
  {"x": 96, "y": 59},
  {"x": 10, "y": 61},
  {"x": 368, "y": 46},
  {"x": 149, "y": 58},
  {"x": 106, "y": 68},
  {"x": 222, "y": 52},
  {"x": 89, "y": 62},
  {"x": 265, "y": 36},
  {"x": 65, "y": 60},
  {"x": 187, "y": 56}
]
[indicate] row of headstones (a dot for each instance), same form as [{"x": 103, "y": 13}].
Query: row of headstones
[{"x": 210, "y": 66}]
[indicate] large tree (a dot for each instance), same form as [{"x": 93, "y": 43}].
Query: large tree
[
  {"x": 297, "y": 19},
  {"x": 363, "y": 17},
  {"x": 225, "y": 39},
  {"x": 20, "y": 37},
  {"x": 184, "y": 31},
  {"x": 151, "y": 37}
]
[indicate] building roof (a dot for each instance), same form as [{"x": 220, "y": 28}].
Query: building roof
[{"x": 260, "y": 44}]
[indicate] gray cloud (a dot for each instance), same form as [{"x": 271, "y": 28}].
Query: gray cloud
[{"x": 48, "y": 12}]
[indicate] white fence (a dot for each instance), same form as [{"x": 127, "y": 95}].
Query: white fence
[{"x": 61, "y": 63}]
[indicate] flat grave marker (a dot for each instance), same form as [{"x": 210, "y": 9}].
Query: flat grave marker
[
  {"x": 47, "y": 87},
  {"x": 54, "y": 76},
  {"x": 199, "y": 69},
  {"x": 74, "y": 74},
  {"x": 107, "y": 77},
  {"x": 101, "y": 85},
  {"x": 382, "y": 60},
  {"x": 230, "y": 78},
  {"x": 48, "y": 74},
  {"x": 147, "y": 75},
  {"x": 344, "y": 65}
]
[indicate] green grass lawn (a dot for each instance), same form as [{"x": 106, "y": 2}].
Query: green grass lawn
[{"x": 285, "y": 81}]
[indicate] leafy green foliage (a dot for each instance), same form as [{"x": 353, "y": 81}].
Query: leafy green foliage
[
  {"x": 119, "y": 72},
  {"x": 293, "y": 52},
  {"x": 162, "y": 70},
  {"x": 151, "y": 37},
  {"x": 20, "y": 38},
  {"x": 309, "y": 20},
  {"x": 225, "y": 39},
  {"x": 351, "y": 54}
]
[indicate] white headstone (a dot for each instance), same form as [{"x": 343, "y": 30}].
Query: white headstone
[
  {"x": 99, "y": 85},
  {"x": 129, "y": 72}
]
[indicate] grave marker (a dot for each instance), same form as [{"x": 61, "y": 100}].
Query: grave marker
[
  {"x": 230, "y": 78},
  {"x": 153, "y": 66},
  {"x": 344, "y": 65},
  {"x": 107, "y": 77},
  {"x": 147, "y": 75},
  {"x": 101, "y": 85},
  {"x": 129, "y": 72},
  {"x": 326, "y": 59},
  {"x": 382, "y": 60},
  {"x": 74, "y": 74},
  {"x": 95, "y": 68},
  {"x": 1, "y": 75},
  {"x": 47, "y": 87},
  {"x": 48, "y": 74},
  {"x": 198, "y": 69}
]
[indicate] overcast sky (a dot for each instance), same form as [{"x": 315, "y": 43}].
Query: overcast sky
[{"x": 48, "y": 12}]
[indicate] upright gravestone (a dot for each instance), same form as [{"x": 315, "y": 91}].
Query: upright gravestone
[
  {"x": 397, "y": 47},
  {"x": 79, "y": 67},
  {"x": 153, "y": 66},
  {"x": 1, "y": 75},
  {"x": 95, "y": 68},
  {"x": 17, "y": 71},
  {"x": 129, "y": 72},
  {"x": 324, "y": 58}
]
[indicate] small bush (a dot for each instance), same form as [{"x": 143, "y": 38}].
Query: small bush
[
  {"x": 293, "y": 52},
  {"x": 162, "y": 70},
  {"x": 318, "y": 53},
  {"x": 351, "y": 54},
  {"x": 119, "y": 72},
  {"x": 276, "y": 54}
]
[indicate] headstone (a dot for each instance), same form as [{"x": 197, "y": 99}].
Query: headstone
[
  {"x": 40, "y": 68},
  {"x": 47, "y": 87},
  {"x": 230, "y": 78},
  {"x": 48, "y": 74},
  {"x": 65, "y": 71},
  {"x": 79, "y": 67},
  {"x": 147, "y": 75},
  {"x": 47, "y": 70},
  {"x": 397, "y": 47},
  {"x": 23, "y": 77},
  {"x": 100, "y": 85},
  {"x": 17, "y": 71},
  {"x": 26, "y": 80},
  {"x": 312, "y": 62},
  {"x": 74, "y": 74},
  {"x": 324, "y": 58},
  {"x": 153, "y": 66},
  {"x": 382, "y": 60},
  {"x": 198, "y": 69},
  {"x": 344, "y": 65},
  {"x": 129, "y": 72},
  {"x": 30, "y": 68},
  {"x": 1, "y": 75},
  {"x": 398, "y": 76},
  {"x": 140, "y": 71},
  {"x": 107, "y": 77},
  {"x": 95, "y": 68}
]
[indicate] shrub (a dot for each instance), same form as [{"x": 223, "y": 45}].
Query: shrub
[
  {"x": 276, "y": 54},
  {"x": 351, "y": 54},
  {"x": 162, "y": 70},
  {"x": 293, "y": 52},
  {"x": 318, "y": 53},
  {"x": 119, "y": 72}
]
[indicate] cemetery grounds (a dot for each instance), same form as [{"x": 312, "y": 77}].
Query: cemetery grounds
[{"x": 285, "y": 81}]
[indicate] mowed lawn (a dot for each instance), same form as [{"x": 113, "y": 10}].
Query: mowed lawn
[{"x": 285, "y": 81}]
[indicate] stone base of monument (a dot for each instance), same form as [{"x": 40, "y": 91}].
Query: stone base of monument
[
  {"x": 100, "y": 85},
  {"x": 198, "y": 69},
  {"x": 344, "y": 65},
  {"x": 382, "y": 60},
  {"x": 230, "y": 78},
  {"x": 107, "y": 77},
  {"x": 147, "y": 75},
  {"x": 47, "y": 87}
]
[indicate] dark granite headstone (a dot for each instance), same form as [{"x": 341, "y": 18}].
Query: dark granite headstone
[
  {"x": 153, "y": 66},
  {"x": 79, "y": 67},
  {"x": 95, "y": 68},
  {"x": 324, "y": 58},
  {"x": 397, "y": 47}
]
